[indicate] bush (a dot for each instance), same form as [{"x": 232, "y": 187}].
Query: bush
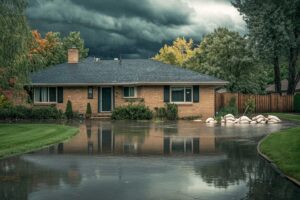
[
  {"x": 4, "y": 103},
  {"x": 231, "y": 108},
  {"x": 160, "y": 112},
  {"x": 22, "y": 112},
  {"x": 88, "y": 112},
  {"x": 132, "y": 112},
  {"x": 171, "y": 111},
  {"x": 69, "y": 110},
  {"x": 250, "y": 106}
]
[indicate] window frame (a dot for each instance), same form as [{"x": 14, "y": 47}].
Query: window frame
[
  {"x": 88, "y": 94},
  {"x": 134, "y": 92},
  {"x": 184, "y": 93},
  {"x": 48, "y": 96}
]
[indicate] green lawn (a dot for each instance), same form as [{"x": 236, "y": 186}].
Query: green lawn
[
  {"x": 22, "y": 138},
  {"x": 283, "y": 147}
]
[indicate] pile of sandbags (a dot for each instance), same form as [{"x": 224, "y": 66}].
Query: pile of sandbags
[
  {"x": 211, "y": 121},
  {"x": 228, "y": 119},
  {"x": 244, "y": 120},
  {"x": 273, "y": 119},
  {"x": 259, "y": 119}
]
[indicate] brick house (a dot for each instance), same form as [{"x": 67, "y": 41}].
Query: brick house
[{"x": 107, "y": 84}]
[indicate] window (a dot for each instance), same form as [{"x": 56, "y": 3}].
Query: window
[
  {"x": 90, "y": 92},
  {"x": 45, "y": 94},
  {"x": 181, "y": 94},
  {"x": 129, "y": 91}
]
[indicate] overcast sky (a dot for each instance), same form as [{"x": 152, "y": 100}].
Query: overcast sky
[{"x": 133, "y": 28}]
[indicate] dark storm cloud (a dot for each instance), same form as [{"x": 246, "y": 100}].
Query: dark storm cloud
[{"x": 134, "y": 27}]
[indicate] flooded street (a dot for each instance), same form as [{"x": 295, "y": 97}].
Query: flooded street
[{"x": 147, "y": 160}]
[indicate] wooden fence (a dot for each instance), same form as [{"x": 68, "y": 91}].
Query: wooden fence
[{"x": 264, "y": 103}]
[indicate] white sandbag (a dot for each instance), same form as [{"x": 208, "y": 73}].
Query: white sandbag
[
  {"x": 209, "y": 119},
  {"x": 263, "y": 122},
  {"x": 258, "y": 116},
  {"x": 237, "y": 121},
  {"x": 244, "y": 122},
  {"x": 253, "y": 122},
  {"x": 222, "y": 120},
  {"x": 230, "y": 118},
  {"x": 245, "y": 118},
  {"x": 260, "y": 119},
  {"x": 197, "y": 120},
  {"x": 228, "y": 115},
  {"x": 272, "y": 117},
  {"x": 229, "y": 122},
  {"x": 273, "y": 121}
]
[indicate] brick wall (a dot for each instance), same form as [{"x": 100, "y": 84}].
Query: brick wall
[
  {"x": 79, "y": 98},
  {"x": 151, "y": 96}
]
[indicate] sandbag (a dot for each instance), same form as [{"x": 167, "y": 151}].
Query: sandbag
[
  {"x": 228, "y": 115},
  {"x": 209, "y": 119},
  {"x": 230, "y": 118},
  {"x": 244, "y": 122},
  {"x": 258, "y": 116},
  {"x": 245, "y": 118},
  {"x": 261, "y": 119},
  {"x": 253, "y": 122},
  {"x": 272, "y": 117}
]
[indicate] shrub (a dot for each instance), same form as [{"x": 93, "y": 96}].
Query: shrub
[
  {"x": 132, "y": 112},
  {"x": 4, "y": 103},
  {"x": 231, "y": 108},
  {"x": 171, "y": 111},
  {"x": 22, "y": 112},
  {"x": 160, "y": 112},
  {"x": 88, "y": 112},
  {"x": 69, "y": 110},
  {"x": 250, "y": 106}
]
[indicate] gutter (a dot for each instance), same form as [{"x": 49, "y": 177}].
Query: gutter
[{"x": 216, "y": 83}]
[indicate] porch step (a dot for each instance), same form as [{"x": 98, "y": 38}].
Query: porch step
[{"x": 101, "y": 116}]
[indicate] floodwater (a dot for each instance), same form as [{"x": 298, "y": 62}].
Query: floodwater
[{"x": 147, "y": 160}]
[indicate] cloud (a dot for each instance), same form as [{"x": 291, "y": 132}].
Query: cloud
[{"x": 135, "y": 27}]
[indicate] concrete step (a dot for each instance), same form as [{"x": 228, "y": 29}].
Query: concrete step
[{"x": 101, "y": 116}]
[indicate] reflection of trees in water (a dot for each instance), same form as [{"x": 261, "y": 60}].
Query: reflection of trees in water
[
  {"x": 244, "y": 165},
  {"x": 18, "y": 178}
]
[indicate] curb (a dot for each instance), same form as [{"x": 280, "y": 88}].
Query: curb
[{"x": 275, "y": 167}]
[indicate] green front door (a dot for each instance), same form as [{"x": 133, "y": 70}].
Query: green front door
[{"x": 106, "y": 99}]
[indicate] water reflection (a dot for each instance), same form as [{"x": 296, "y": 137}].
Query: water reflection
[
  {"x": 98, "y": 137},
  {"x": 143, "y": 160}
]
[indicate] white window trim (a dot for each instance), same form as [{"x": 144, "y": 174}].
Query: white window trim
[
  {"x": 182, "y": 102},
  {"x": 135, "y": 92},
  {"x": 44, "y": 102}
]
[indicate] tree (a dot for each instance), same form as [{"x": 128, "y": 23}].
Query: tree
[
  {"x": 52, "y": 49},
  {"x": 226, "y": 55},
  {"x": 274, "y": 27},
  {"x": 74, "y": 39},
  {"x": 14, "y": 39},
  {"x": 177, "y": 54}
]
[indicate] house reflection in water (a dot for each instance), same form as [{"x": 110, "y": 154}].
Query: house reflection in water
[{"x": 98, "y": 137}]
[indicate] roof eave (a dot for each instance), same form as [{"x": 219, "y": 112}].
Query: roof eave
[{"x": 212, "y": 83}]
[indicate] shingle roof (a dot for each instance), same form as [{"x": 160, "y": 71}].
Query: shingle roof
[{"x": 111, "y": 72}]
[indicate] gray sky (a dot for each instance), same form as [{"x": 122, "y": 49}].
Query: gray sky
[{"x": 137, "y": 28}]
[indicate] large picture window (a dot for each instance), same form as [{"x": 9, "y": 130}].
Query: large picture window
[
  {"x": 45, "y": 94},
  {"x": 129, "y": 92},
  {"x": 181, "y": 94}
]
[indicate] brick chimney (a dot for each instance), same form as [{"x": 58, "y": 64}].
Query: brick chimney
[{"x": 73, "y": 55}]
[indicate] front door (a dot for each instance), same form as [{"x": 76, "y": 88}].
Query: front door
[{"x": 106, "y": 99}]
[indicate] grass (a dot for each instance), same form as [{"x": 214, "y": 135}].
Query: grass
[
  {"x": 21, "y": 138},
  {"x": 283, "y": 147}
]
